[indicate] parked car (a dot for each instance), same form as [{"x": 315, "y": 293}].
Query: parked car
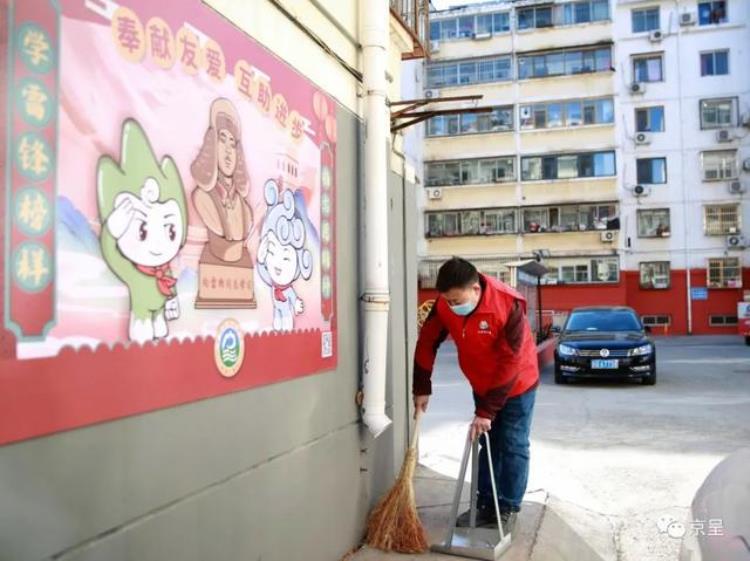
[{"x": 605, "y": 342}]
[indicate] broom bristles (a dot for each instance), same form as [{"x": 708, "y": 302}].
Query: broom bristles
[{"x": 394, "y": 524}]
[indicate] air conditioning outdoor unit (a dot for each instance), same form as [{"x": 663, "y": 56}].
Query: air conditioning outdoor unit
[
  {"x": 637, "y": 88},
  {"x": 656, "y": 35},
  {"x": 745, "y": 120},
  {"x": 687, "y": 18},
  {"x": 608, "y": 236},
  {"x": 431, "y": 94},
  {"x": 641, "y": 191},
  {"x": 642, "y": 138},
  {"x": 736, "y": 242},
  {"x": 736, "y": 188},
  {"x": 525, "y": 112},
  {"x": 724, "y": 135},
  {"x": 435, "y": 194},
  {"x": 746, "y": 164},
  {"x": 434, "y": 46}
]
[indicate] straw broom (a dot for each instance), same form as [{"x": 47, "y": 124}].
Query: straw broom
[{"x": 394, "y": 524}]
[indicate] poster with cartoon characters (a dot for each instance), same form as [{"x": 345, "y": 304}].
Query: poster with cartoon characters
[{"x": 168, "y": 215}]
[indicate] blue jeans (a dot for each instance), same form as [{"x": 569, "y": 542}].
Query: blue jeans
[{"x": 509, "y": 443}]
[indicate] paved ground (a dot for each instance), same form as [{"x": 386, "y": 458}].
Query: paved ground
[{"x": 614, "y": 459}]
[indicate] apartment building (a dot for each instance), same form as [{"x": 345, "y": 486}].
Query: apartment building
[{"x": 564, "y": 166}]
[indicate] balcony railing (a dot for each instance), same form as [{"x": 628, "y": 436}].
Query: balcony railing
[{"x": 414, "y": 16}]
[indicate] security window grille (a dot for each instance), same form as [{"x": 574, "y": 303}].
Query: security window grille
[
  {"x": 650, "y": 119},
  {"x": 718, "y": 113},
  {"x": 583, "y": 271},
  {"x": 715, "y": 63},
  {"x": 500, "y": 119},
  {"x": 653, "y": 223},
  {"x": 719, "y": 165},
  {"x": 470, "y": 223},
  {"x": 470, "y": 172},
  {"x": 645, "y": 19},
  {"x": 570, "y": 218},
  {"x": 656, "y": 320},
  {"x": 724, "y": 272},
  {"x": 648, "y": 68},
  {"x": 476, "y": 71},
  {"x": 565, "y": 62},
  {"x": 722, "y": 320},
  {"x": 567, "y": 166},
  {"x": 571, "y": 113},
  {"x": 710, "y": 13},
  {"x": 721, "y": 220},
  {"x": 651, "y": 171},
  {"x": 466, "y": 27},
  {"x": 655, "y": 275}
]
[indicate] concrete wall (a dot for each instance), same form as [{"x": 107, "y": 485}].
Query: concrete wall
[{"x": 273, "y": 473}]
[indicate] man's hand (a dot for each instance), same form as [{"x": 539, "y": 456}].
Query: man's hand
[
  {"x": 420, "y": 404},
  {"x": 479, "y": 426}
]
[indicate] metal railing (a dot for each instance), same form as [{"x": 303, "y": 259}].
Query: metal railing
[{"x": 415, "y": 17}]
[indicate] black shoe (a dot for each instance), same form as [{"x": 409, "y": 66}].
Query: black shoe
[
  {"x": 508, "y": 519},
  {"x": 485, "y": 517}
]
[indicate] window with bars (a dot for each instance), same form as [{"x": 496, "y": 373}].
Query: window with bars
[
  {"x": 719, "y": 165},
  {"x": 470, "y": 172},
  {"x": 720, "y": 320},
  {"x": 483, "y": 222},
  {"x": 718, "y": 113},
  {"x": 562, "y": 14},
  {"x": 655, "y": 275},
  {"x": 653, "y": 223},
  {"x": 570, "y": 113},
  {"x": 565, "y": 62},
  {"x": 500, "y": 119},
  {"x": 724, "y": 272},
  {"x": 464, "y": 27},
  {"x": 570, "y": 218},
  {"x": 567, "y": 166},
  {"x": 582, "y": 271},
  {"x": 721, "y": 220},
  {"x": 428, "y": 270},
  {"x": 657, "y": 320},
  {"x": 473, "y": 71}
]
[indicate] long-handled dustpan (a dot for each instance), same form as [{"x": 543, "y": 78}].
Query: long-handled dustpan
[{"x": 473, "y": 542}]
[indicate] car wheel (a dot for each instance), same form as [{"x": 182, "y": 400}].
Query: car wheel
[
  {"x": 559, "y": 378},
  {"x": 649, "y": 380}
]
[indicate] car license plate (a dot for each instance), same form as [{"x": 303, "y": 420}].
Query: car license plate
[{"x": 605, "y": 364}]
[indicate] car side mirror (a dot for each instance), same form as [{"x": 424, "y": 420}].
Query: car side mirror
[
  {"x": 555, "y": 329},
  {"x": 647, "y": 328}
]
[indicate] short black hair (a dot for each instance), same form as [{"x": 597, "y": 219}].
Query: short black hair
[{"x": 456, "y": 273}]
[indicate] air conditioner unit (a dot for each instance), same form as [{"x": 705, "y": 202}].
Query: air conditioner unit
[
  {"x": 642, "y": 138},
  {"x": 733, "y": 230},
  {"x": 736, "y": 188},
  {"x": 746, "y": 164},
  {"x": 687, "y": 18},
  {"x": 641, "y": 191},
  {"x": 434, "y": 46},
  {"x": 431, "y": 94},
  {"x": 525, "y": 112},
  {"x": 637, "y": 88},
  {"x": 608, "y": 236},
  {"x": 435, "y": 194},
  {"x": 483, "y": 35},
  {"x": 736, "y": 242},
  {"x": 724, "y": 135},
  {"x": 656, "y": 35},
  {"x": 745, "y": 120}
]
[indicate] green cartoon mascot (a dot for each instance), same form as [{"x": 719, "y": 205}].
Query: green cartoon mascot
[{"x": 143, "y": 214}]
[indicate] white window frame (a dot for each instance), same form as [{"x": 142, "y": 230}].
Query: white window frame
[
  {"x": 645, "y": 213},
  {"x": 664, "y": 277},
  {"x": 724, "y": 168},
  {"x": 722, "y": 219},
  {"x": 719, "y": 265}
]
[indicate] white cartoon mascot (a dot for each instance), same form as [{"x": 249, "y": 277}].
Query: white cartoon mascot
[{"x": 282, "y": 256}]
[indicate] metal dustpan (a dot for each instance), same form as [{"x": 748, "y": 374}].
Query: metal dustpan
[{"x": 473, "y": 542}]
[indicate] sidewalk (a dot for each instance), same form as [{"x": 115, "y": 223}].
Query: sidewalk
[{"x": 546, "y": 530}]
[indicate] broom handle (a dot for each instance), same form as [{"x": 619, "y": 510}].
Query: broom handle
[{"x": 415, "y": 436}]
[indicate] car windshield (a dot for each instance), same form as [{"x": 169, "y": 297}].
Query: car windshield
[{"x": 603, "y": 321}]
